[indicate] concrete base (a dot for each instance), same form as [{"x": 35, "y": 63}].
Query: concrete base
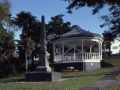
[
  {"x": 43, "y": 68},
  {"x": 42, "y": 76},
  {"x": 91, "y": 65}
]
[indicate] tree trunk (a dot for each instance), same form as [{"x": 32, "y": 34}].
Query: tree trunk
[
  {"x": 109, "y": 48},
  {"x": 110, "y": 51},
  {"x": 32, "y": 60},
  {"x": 26, "y": 66}
]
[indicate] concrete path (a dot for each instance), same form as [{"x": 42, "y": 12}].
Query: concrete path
[{"x": 107, "y": 80}]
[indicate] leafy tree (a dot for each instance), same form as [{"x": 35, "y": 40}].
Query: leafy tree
[
  {"x": 112, "y": 21},
  {"x": 5, "y": 13},
  {"x": 95, "y": 4},
  {"x": 6, "y": 36},
  {"x": 27, "y": 23},
  {"x": 56, "y": 26},
  {"x": 7, "y": 44},
  {"x": 108, "y": 36}
]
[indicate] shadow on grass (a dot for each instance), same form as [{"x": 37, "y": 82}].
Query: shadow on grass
[
  {"x": 105, "y": 64},
  {"x": 11, "y": 80},
  {"x": 112, "y": 74},
  {"x": 109, "y": 74}
]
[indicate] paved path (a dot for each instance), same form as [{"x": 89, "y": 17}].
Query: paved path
[{"x": 107, "y": 80}]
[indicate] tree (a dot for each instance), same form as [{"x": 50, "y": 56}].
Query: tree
[
  {"x": 27, "y": 23},
  {"x": 5, "y": 13},
  {"x": 56, "y": 26},
  {"x": 108, "y": 36},
  {"x": 7, "y": 44},
  {"x": 95, "y": 4},
  {"x": 7, "y": 47},
  {"x": 112, "y": 21}
]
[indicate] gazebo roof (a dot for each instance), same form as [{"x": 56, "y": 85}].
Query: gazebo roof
[{"x": 77, "y": 32}]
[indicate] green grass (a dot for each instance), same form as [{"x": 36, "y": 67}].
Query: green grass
[
  {"x": 75, "y": 81},
  {"x": 115, "y": 61},
  {"x": 70, "y": 84},
  {"x": 111, "y": 87},
  {"x": 118, "y": 78}
]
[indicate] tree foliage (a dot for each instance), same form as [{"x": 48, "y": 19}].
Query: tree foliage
[
  {"x": 109, "y": 37},
  {"x": 7, "y": 44},
  {"x": 27, "y": 23},
  {"x": 31, "y": 30},
  {"x": 57, "y": 26},
  {"x": 95, "y": 4},
  {"x": 112, "y": 21},
  {"x": 5, "y": 13}
]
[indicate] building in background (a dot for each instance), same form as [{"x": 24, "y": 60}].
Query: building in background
[{"x": 115, "y": 47}]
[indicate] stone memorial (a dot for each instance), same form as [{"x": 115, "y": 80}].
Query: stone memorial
[{"x": 43, "y": 71}]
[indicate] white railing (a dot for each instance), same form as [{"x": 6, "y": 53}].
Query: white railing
[
  {"x": 72, "y": 56},
  {"x": 77, "y": 56},
  {"x": 58, "y": 58},
  {"x": 90, "y": 56}
]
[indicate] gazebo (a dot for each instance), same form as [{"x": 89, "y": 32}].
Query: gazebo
[{"x": 77, "y": 48}]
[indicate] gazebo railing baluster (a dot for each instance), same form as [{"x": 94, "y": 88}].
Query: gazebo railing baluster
[{"x": 78, "y": 56}]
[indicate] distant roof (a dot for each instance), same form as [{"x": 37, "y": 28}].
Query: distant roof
[{"x": 77, "y": 32}]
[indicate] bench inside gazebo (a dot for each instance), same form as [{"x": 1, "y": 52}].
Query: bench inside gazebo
[{"x": 78, "y": 48}]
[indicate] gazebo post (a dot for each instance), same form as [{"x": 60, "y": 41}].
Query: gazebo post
[
  {"x": 62, "y": 50},
  {"x": 90, "y": 51},
  {"x": 90, "y": 48},
  {"x": 59, "y": 50},
  {"x": 82, "y": 50},
  {"x": 101, "y": 50},
  {"x": 53, "y": 50},
  {"x": 74, "y": 52},
  {"x": 83, "y": 57}
]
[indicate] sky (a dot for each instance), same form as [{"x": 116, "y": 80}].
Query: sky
[{"x": 49, "y": 8}]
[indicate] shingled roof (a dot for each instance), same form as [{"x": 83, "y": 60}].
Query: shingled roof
[{"x": 77, "y": 32}]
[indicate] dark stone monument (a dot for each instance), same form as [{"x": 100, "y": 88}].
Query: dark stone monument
[{"x": 43, "y": 71}]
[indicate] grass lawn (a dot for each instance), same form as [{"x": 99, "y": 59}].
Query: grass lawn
[
  {"x": 111, "y": 87},
  {"x": 75, "y": 81},
  {"x": 114, "y": 86}
]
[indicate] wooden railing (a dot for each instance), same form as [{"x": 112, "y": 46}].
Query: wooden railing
[{"x": 77, "y": 56}]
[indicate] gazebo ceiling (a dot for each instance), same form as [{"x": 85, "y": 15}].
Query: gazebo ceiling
[{"x": 77, "y": 32}]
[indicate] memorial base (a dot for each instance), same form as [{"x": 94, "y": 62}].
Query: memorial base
[{"x": 42, "y": 76}]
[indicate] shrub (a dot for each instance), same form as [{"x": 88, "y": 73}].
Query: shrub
[{"x": 7, "y": 69}]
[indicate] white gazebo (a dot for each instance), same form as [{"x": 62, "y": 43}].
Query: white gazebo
[{"x": 78, "y": 48}]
